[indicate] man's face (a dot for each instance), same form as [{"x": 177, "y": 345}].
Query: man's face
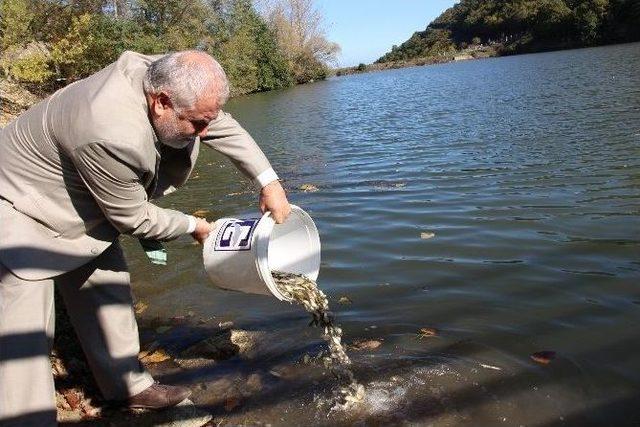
[{"x": 178, "y": 128}]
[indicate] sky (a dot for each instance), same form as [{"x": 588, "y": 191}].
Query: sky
[{"x": 366, "y": 30}]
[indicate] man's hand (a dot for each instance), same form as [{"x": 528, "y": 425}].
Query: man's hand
[
  {"x": 203, "y": 228},
  {"x": 274, "y": 200}
]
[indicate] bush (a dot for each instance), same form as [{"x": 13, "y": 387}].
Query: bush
[{"x": 28, "y": 65}]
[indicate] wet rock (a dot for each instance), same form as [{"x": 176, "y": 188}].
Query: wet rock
[
  {"x": 254, "y": 383},
  {"x": 162, "y": 329},
  {"x": 201, "y": 213},
  {"x": 194, "y": 362},
  {"x": 247, "y": 341},
  {"x": 308, "y": 188},
  {"x": 231, "y": 403},
  {"x": 427, "y": 235},
  {"x": 179, "y": 320},
  {"x": 365, "y": 345},
  {"x": 225, "y": 345},
  {"x": 185, "y": 414},
  {"x": 225, "y": 325},
  {"x": 286, "y": 372},
  {"x": 543, "y": 357}
]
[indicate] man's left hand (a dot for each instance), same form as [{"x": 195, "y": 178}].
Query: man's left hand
[{"x": 274, "y": 200}]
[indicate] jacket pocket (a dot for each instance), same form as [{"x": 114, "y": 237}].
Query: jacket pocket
[{"x": 41, "y": 209}]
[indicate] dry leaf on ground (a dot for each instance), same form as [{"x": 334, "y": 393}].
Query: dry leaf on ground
[{"x": 156, "y": 357}]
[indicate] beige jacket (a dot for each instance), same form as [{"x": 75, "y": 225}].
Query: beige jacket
[{"x": 79, "y": 168}]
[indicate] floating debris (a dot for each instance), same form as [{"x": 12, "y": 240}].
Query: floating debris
[
  {"x": 308, "y": 188},
  {"x": 427, "y": 235},
  {"x": 306, "y": 292},
  {"x": 386, "y": 185},
  {"x": 495, "y": 368},
  {"x": 427, "y": 333},
  {"x": 543, "y": 357},
  {"x": 344, "y": 300}
]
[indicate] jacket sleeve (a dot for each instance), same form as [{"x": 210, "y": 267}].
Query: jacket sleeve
[
  {"x": 119, "y": 192},
  {"x": 226, "y": 136}
]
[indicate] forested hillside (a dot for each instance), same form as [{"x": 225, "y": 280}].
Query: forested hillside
[
  {"x": 517, "y": 26},
  {"x": 45, "y": 44}
]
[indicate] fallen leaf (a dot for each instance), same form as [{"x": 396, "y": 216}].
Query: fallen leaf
[
  {"x": 543, "y": 357},
  {"x": 427, "y": 235},
  {"x": 345, "y": 300},
  {"x": 231, "y": 403},
  {"x": 156, "y": 357},
  {"x": 366, "y": 345},
  {"x": 73, "y": 399}
]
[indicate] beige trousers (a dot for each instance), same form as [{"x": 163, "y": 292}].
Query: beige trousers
[{"x": 98, "y": 300}]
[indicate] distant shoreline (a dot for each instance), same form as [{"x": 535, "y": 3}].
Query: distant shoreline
[{"x": 472, "y": 53}]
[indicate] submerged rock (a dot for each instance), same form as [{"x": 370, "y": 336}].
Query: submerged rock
[
  {"x": 427, "y": 332},
  {"x": 365, "y": 345},
  {"x": 225, "y": 345}
]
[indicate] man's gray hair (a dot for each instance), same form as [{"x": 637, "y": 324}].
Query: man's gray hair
[{"x": 186, "y": 76}]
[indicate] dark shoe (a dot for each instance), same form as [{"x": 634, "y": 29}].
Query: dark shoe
[{"x": 159, "y": 396}]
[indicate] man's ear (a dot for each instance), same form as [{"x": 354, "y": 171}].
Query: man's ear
[{"x": 161, "y": 103}]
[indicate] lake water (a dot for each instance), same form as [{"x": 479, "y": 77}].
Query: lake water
[{"x": 527, "y": 171}]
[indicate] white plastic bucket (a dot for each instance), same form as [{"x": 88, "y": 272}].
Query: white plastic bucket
[{"x": 240, "y": 254}]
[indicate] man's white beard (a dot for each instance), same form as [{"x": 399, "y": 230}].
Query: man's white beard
[{"x": 168, "y": 134}]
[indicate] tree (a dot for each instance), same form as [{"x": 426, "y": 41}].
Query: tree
[{"x": 298, "y": 27}]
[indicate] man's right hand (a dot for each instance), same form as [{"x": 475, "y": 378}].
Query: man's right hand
[{"x": 203, "y": 228}]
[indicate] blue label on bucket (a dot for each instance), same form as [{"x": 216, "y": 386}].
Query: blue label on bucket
[{"x": 235, "y": 235}]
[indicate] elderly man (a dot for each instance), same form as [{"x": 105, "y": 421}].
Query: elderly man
[{"x": 76, "y": 171}]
